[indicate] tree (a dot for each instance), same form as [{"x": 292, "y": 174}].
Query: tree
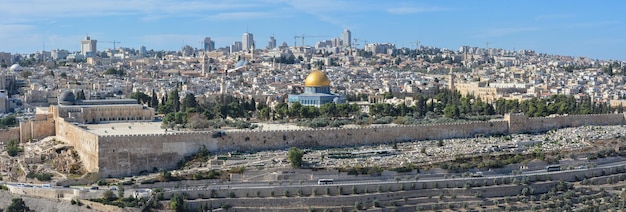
[
  {"x": 170, "y": 103},
  {"x": 177, "y": 202},
  {"x": 141, "y": 97},
  {"x": 109, "y": 195},
  {"x": 294, "y": 109},
  {"x": 120, "y": 191},
  {"x": 282, "y": 109},
  {"x": 189, "y": 102},
  {"x": 264, "y": 113},
  {"x": 388, "y": 95},
  {"x": 451, "y": 111},
  {"x": 17, "y": 205},
  {"x": 252, "y": 105},
  {"x": 154, "y": 100},
  {"x": 13, "y": 147},
  {"x": 295, "y": 157},
  {"x": 113, "y": 71},
  {"x": 174, "y": 101},
  {"x": 8, "y": 121}
]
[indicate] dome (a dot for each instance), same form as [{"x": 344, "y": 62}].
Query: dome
[
  {"x": 67, "y": 98},
  {"x": 242, "y": 63},
  {"x": 316, "y": 79},
  {"x": 16, "y": 67}
]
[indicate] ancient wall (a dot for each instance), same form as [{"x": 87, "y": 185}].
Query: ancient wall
[
  {"x": 116, "y": 155},
  {"x": 42, "y": 192},
  {"x": 8, "y": 134},
  {"x": 128, "y": 155},
  {"x": 36, "y": 129},
  {"x": 336, "y": 137},
  {"x": 518, "y": 123},
  {"x": 84, "y": 142}
]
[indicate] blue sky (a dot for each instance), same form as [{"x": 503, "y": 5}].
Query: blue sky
[{"x": 573, "y": 28}]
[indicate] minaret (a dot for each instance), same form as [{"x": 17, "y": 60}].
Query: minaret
[
  {"x": 451, "y": 83},
  {"x": 252, "y": 52},
  {"x": 205, "y": 61},
  {"x": 223, "y": 87}
]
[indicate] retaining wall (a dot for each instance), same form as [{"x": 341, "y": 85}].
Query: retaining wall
[
  {"x": 8, "y": 134},
  {"x": 84, "y": 142}
]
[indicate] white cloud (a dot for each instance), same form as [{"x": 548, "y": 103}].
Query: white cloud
[
  {"x": 14, "y": 29},
  {"x": 34, "y": 10},
  {"x": 591, "y": 24}
]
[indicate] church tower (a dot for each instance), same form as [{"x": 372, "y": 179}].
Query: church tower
[{"x": 451, "y": 82}]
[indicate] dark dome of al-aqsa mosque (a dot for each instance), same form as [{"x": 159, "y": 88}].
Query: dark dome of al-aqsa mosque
[{"x": 67, "y": 98}]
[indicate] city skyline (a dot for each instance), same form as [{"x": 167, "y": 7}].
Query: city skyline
[{"x": 572, "y": 28}]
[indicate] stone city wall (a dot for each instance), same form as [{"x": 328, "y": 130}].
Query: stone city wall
[
  {"x": 131, "y": 154},
  {"x": 36, "y": 129},
  {"x": 8, "y": 134},
  {"x": 84, "y": 142},
  {"x": 338, "y": 137},
  {"x": 519, "y": 123},
  {"x": 49, "y": 193},
  {"x": 338, "y": 195},
  {"x": 124, "y": 155}
]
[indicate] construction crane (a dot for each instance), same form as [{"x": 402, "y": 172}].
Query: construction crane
[
  {"x": 113, "y": 42},
  {"x": 308, "y": 36},
  {"x": 487, "y": 44},
  {"x": 355, "y": 44}
]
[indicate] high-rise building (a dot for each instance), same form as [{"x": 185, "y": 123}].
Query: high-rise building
[
  {"x": 235, "y": 47},
  {"x": 271, "y": 44},
  {"x": 88, "y": 47},
  {"x": 380, "y": 48},
  {"x": 142, "y": 51},
  {"x": 187, "y": 51},
  {"x": 346, "y": 38},
  {"x": 6, "y": 58},
  {"x": 59, "y": 54},
  {"x": 208, "y": 45},
  {"x": 247, "y": 41}
]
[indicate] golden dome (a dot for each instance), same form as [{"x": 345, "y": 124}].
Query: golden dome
[{"x": 316, "y": 79}]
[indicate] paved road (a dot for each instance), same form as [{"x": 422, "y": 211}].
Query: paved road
[
  {"x": 204, "y": 185},
  {"x": 423, "y": 178}
]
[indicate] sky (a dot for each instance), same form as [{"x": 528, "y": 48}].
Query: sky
[{"x": 594, "y": 29}]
